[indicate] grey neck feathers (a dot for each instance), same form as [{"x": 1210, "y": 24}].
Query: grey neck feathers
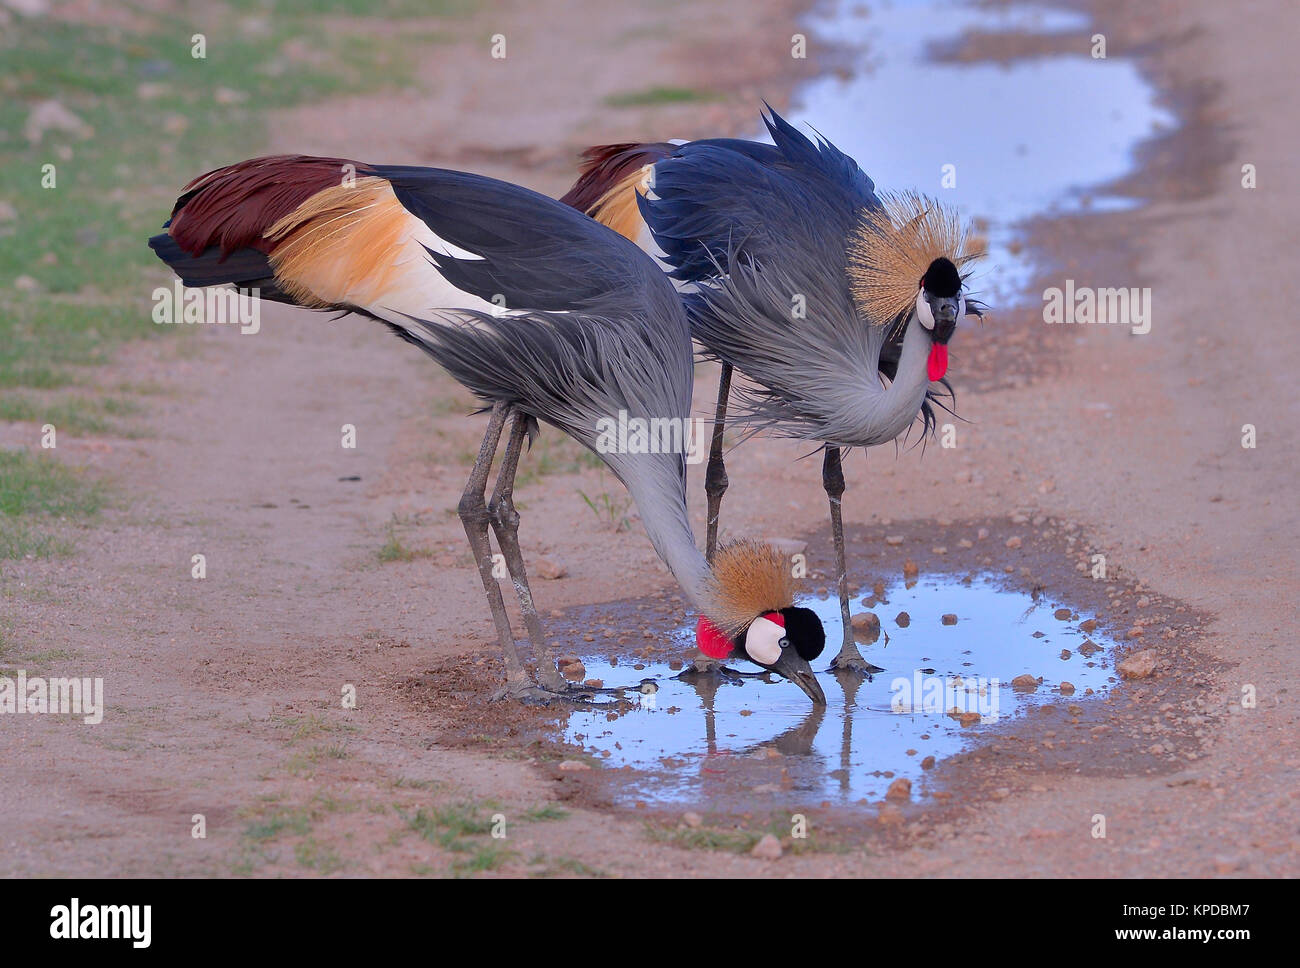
[
  {"x": 662, "y": 503},
  {"x": 892, "y": 411}
]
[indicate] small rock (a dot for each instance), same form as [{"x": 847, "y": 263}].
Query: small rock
[
  {"x": 574, "y": 766},
  {"x": 1089, "y": 647},
  {"x": 574, "y": 671},
  {"x": 769, "y": 848},
  {"x": 1061, "y": 615},
  {"x": 1065, "y": 654},
  {"x": 1024, "y": 683},
  {"x": 53, "y": 116},
  {"x": 893, "y": 539},
  {"x": 1014, "y": 541},
  {"x": 1139, "y": 665},
  {"x": 927, "y": 763},
  {"x": 593, "y": 683},
  {"x": 903, "y": 620},
  {"x": 910, "y": 569},
  {"x": 692, "y": 819},
  {"x": 866, "y": 626},
  {"x": 569, "y": 658},
  {"x": 1067, "y": 688},
  {"x": 949, "y": 619},
  {"x": 900, "y": 789},
  {"x": 1089, "y": 626},
  {"x": 550, "y": 570}
]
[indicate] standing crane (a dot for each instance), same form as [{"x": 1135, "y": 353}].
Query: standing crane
[
  {"x": 593, "y": 328},
  {"x": 836, "y": 302}
]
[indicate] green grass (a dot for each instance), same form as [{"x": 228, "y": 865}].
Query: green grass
[
  {"x": 277, "y": 822},
  {"x": 657, "y": 95},
  {"x": 34, "y": 490},
  {"x": 153, "y": 120},
  {"x": 394, "y": 549},
  {"x": 610, "y": 510}
]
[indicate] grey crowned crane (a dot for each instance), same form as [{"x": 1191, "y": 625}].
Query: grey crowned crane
[
  {"x": 593, "y": 328},
  {"x": 836, "y": 302}
]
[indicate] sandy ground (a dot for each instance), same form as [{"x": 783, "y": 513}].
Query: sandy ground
[{"x": 224, "y": 694}]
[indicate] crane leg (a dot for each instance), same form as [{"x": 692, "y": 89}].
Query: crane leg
[
  {"x": 849, "y": 658},
  {"x": 715, "y": 479},
  {"x": 505, "y": 524},
  {"x": 474, "y": 516}
]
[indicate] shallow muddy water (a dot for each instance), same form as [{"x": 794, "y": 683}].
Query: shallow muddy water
[
  {"x": 697, "y": 732},
  {"x": 1036, "y": 134}
]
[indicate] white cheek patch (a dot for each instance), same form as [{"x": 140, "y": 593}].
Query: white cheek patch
[
  {"x": 763, "y": 641},
  {"x": 961, "y": 307},
  {"x": 923, "y": 311}
]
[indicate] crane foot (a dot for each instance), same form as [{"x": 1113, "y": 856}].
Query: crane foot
[{"x": 854, "y": 663}]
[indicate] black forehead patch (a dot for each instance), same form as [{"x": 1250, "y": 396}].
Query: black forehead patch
[
  {"x": 942, "y": 279},
  {"x": 804, "y": 630}
]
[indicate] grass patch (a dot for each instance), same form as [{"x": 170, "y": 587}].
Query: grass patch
[
  {"x": 41, "y": 488},
  {"x": 609, "y": 510},
  {"x": 657, "y": 95},
  {"x": 395, "y": 549},
  {"x": 277, "y": 822}
]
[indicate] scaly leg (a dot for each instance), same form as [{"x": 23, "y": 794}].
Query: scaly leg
[
  {"x": 505, "y": 524},
  {"x": 715, "y": 479},
  {"x": 849, "y": 658},
  {"x": 474, "y": 516}
]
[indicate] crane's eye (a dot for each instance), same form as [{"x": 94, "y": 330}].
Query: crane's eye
[
  {"x": 923, "y": 311},
  {"x": 784, "y": 642}
]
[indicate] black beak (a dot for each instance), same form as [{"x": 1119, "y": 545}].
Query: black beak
[
  {"x": 945, "y": 320},
  {"x": 794, "y": 667}
]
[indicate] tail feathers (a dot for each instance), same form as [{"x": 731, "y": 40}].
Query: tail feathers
[{"x": 610, "y": 177}]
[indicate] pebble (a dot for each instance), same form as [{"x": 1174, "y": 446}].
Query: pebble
[
  {"x": 865, "y": 622},
  {"x": 893, "y": 539},
  {"x": 1067, "y": 689},
  {"x": 1139, "y": 665},
  {"x": 1024, "y": 682},
  {"x": 769, "y": 848},
  {"x": 1062, "y": 615},
  {"x": 910, "y": 569},
  {"x": 927, "y": 763},
  {"x": 692, "y": 819},
  {"x": 903, "y": 620},
  {"x": 1014, "y": 541},
  {"x": 574, "y": 766},
  {"x": 900, "y": 789},
  {"x": 1089, "y": 647},
  {"x": 574, "y": 671},
  {"x": 949, "y": 619},
  {"x": 550, "y": 570},
  {"x": 1089, "y": 626}
]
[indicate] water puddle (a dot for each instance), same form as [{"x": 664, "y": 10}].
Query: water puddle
[
  {"x": 694, "y": 737},
  {"x": 1025, "y": 137}
]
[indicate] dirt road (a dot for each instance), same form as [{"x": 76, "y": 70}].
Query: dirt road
[{"x": 224, "y": 693}]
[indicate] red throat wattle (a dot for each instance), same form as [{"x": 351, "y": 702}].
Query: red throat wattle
[{"x": 937, "y": 365}]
